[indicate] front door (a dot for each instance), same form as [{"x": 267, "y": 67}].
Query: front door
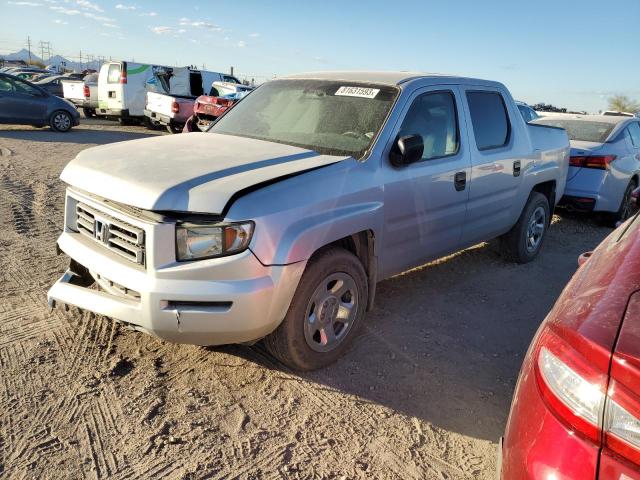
[
  {"x": 425, "y": 202},
  {"x": 21, "y": 102}
]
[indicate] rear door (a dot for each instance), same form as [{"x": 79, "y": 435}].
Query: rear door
[
  {"x": 110, "y": 90},
  {"x": 425, "y": 202},
  {"x": 634, "y": 137},
  {"x": 495, "y": 165}
]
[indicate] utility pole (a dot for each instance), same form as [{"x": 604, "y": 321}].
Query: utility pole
[
  {"x": 232, "y": 70},
  {"x": 29, "y": 47},
  {"x": 81, "y": 60}
]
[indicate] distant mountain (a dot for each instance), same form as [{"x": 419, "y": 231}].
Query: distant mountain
[
  {"x": 21, "y": 55},
  {"x": 56, "y": 60}
]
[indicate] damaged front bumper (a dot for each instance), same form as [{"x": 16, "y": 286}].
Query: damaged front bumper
[{"x": 202, "y": 310}]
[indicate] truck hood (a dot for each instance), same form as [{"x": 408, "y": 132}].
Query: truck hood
[{"x": 189, "y": 172}]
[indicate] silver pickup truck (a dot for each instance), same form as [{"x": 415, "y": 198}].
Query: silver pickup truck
[{"x": 278, "y": 222}]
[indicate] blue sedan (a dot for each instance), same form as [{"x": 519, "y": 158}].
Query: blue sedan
[{"x": 605, "y": 163}]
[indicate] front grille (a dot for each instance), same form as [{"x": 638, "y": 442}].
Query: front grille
[
  {"x": 115, "y": 288},
  {"x": 116, "y": 235}
]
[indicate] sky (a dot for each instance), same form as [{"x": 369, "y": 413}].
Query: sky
[{"x": 571, "y": 53}]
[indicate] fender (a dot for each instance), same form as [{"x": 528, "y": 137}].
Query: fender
[{"x": 302, "y": 238}]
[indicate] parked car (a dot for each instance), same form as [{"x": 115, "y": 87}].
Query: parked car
[
  {"x": 615, "y": 113},
  {"x": 527, "y": 112},
  {"x": 208, "y": 108},
  {"x": 173, "y": 108},
  {"x": 605, "y": 163},
  {"x": 27, "y": 73},
  {"x": 576, "y": 407},
  {"x": 83, "y": 94},
  {"x": 24, "y": 103},
  {"x": 279, "y": 221},
  {"x": 52, "y": 84}
]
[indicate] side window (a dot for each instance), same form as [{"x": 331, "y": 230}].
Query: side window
[
  {"x": 23, "y": 87},
  {"x": 434, "y": 117},
  {"x": 6, "y": 85},
  {"x": 113, "y": 76},
  {"x": 634, "y": 132},
  {"x": 230, "y": 79},
  {"x": 489, "y": 118}
]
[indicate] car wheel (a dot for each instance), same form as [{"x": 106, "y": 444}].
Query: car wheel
[
  {"x": 89, "y": 112},
  {"x": 325, "y": 313},
  {"x": 627, "y": 206},
  {"x": 61, "y": 121},
  {"x": 171, "y": 128},
  {"x": 523, "y": 242}
]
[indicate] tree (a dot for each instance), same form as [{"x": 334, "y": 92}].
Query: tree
[
  {"x": 622, "y": 103},
  {"x": 36, "y": 63}
]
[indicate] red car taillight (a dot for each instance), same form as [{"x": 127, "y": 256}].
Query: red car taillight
[
  {"x": 570, "y": 385},
  {"x": 123, "y": 77},
  {"x": 622, "y": 422},
  {"x": 86, "y": 92},
  {"x": 175, "y": 107},
  {"x": 596, "y": 161},
  {"x": 576, "y": 392}
]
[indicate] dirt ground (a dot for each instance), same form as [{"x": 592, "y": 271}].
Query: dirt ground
[{"x": 424, "y": 393}]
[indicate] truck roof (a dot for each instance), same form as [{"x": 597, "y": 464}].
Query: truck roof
[{"x": 388, "y": 78}]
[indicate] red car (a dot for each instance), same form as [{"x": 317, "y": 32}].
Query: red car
[
  {"x": 207, "y": 108},
  {"x": 576, "y": 408}
]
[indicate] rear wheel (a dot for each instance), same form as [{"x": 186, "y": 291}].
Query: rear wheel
[
  {"x": 61, "y": 121},
  {"x": 89, "y": 112},
  {"x": 627, "y": 206},
  {"x": 325, "y": 313},
  {"x": 523, "y": 242},
  {"x": 173, "y": 128}
]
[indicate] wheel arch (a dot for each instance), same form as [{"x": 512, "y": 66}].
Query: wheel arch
[
  {"x": 362, "y": 245},
  {"x": 548, "y": 189}
]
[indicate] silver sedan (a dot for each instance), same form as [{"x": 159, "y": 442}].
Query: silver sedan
[{"x": 605, "y": 163}]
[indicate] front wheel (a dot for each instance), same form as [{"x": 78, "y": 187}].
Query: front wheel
[
  {"x": 325, "y": 313},
  {"x": 523, "y": 242},
  {"x": 61, "y": 121}
]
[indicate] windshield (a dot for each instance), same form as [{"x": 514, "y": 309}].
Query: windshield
[
  {"x": 331, "y": 118},
  {"x": 581, "y": 130}
]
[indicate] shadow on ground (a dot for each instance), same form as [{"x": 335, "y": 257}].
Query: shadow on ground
[
  {"x": 77, "y": 135},
  {"x": 446, "y": 341}
]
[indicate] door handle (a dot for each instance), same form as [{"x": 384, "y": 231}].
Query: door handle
[
  {"x": 516, "y": 168},
  {"x": 460, "y": 181}
]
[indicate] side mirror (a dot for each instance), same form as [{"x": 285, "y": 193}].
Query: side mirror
[{"x": 407, "y": 150}]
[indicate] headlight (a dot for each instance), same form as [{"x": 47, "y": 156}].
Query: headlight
[{"x": 205, "y": 241}]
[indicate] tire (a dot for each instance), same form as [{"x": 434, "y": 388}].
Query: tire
[
  {"x": 171, "y": 128},
  {"x": 524, "y": 241},
  {"x": 305, "y": 344},
  {"x": 60, "y": 121},
  {"x": 89, "y": 112},
  {"x": 627, "y": 208}
]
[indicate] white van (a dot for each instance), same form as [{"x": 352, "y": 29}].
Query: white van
[{"x": 122, "y": 89}]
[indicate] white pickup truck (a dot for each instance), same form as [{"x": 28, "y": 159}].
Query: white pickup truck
[
  {"x": 278, "y": 222},
  {"x": 173, "y": 110},
  {"x": 83, "y": 93}
]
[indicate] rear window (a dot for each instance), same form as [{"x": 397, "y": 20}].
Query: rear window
[
  {"x": 581, "y": 130},
  {"x": 489, "y": 118},
  {"x": 113, "y": 75}
]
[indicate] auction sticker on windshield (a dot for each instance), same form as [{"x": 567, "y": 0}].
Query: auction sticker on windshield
[{"x": 358, "y": 92}]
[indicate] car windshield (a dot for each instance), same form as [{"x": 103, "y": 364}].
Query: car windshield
[
  {"x": 331, "y": 118},
  {"x": 581, "y": 130}
]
